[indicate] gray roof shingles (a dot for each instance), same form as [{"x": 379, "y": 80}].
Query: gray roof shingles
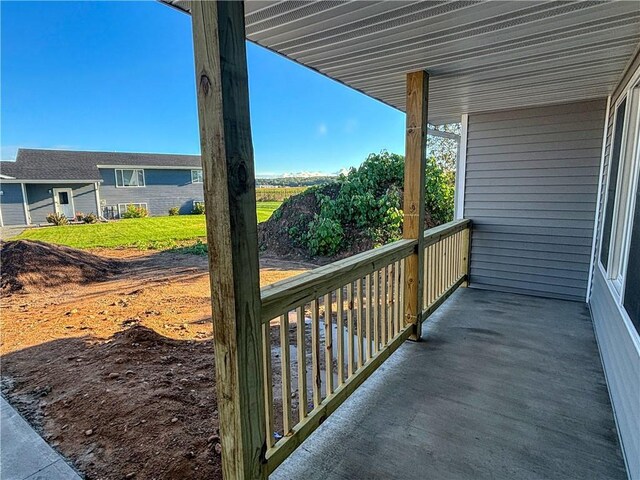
[{"x": 38, "y": 164}]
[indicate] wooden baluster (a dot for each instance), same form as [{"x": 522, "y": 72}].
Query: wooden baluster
[
  {"x": 432, "y": 274},
  {"x": 359, "y": 351},
  {"x": 439, "y": 269},
  {"x": 376, "y": 310},
  {"x": 367, "y": 293},
  {"x": 285, "y": 366},
  {"x": 425, "y": 281},
  {"x": 401, "y": 299},
  {"x": 340, "y": 335},
  {"x": 268, "y": 382},
  {"x": 328, "y": 344},
  {"x": 465, "y": 254},
  {"x": 398, "y": 309},
  {"x": 390, "y": 302},
  {"x": 302, "y": 364},
  {"x": 383, "y": 307},
  {"x": 350, "y": 357},
  {"x": 315, "y": 353}
]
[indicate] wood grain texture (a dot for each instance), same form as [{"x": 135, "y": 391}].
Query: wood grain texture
[
  {"x": 285, "y": 373},
  {"x": 302, "y": 364},
  {"x": 414, "y": 183},
  {"x": 229, "y": 193}
]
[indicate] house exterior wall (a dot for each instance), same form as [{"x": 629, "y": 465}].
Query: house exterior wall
[
  {"x": 40, "y": 199},
  {"x": 530, "y": 189},
  {"x": 163, "y": 189},
  {"x": 618, "y": 341},
  {"x": 11, "y": 204}
]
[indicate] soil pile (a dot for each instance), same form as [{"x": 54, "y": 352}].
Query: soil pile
[
  {"x": 281, "y": 235},
  {"x": 138, "y": 405},
  {"x": 30, "y": 266}
]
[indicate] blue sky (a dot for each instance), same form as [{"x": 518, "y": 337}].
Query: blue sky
[{"x": 119, "y": 76}]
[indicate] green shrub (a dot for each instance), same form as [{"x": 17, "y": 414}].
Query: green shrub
[
  {"x": 57, "y": 219},
  {"x": 325, "y": 236},
  {"x": 198, "y": 208},
  {"x": 135, "y": 212},
  {"x": 90, "y": 218},
  {"x": 173, "y": 211},
  {"x": 369, "y": 201}
]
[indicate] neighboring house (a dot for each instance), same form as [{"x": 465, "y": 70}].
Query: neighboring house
[{"x": 41, "y": 182}]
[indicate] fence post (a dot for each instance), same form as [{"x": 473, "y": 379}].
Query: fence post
[
  {"x": 466, "y": 254},
  {"x": 414, "y": 185},
  {"x": 230, "y": 204}
]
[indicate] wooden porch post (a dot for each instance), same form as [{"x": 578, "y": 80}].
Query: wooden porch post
[
  {"x": 415, "y": 164},
  {"x": 230, "y": 202}
]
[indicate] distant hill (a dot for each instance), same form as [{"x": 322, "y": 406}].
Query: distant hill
[{"x": 294, "y": 181}]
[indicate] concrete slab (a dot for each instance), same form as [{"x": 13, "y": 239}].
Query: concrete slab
[
  {"x": 504, "y": 387},
  {"x": 24, "y": 454}
]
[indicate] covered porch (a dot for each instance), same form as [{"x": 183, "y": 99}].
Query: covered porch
[{"x": 504, "y": 386}]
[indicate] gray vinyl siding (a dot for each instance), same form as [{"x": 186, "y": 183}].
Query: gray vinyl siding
[
  {"x": 618, "y": 341},
  {"x": 621, "y": 361},
  {"x": 11, "y": 203},
  {"x": 530, "y": 189},
  {"x": 163, "y": 190},
  {"x": 40, "y": 199}
]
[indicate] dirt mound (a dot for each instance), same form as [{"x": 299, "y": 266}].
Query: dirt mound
[
  {"x": 29, "y": 266},
  {"x": 137, "y": 405},
  {"x": 280, "y": 234}
]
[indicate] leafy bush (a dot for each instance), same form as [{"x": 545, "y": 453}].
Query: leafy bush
[
  {"x": 90, "y": 218},
  {"x": 369, "y": 202},
  {"x": 198, "y": 208},
  {"x": 135, "y": 212},
  {"x": 325, "y": 236},
  {"x": 57, "y": 219},
  {"x": 173, "y": 211}
]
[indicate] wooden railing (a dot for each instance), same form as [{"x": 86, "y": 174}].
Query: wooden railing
[
  {"x": 325, "y": 331},
  {"x": 446, "y": 261}
]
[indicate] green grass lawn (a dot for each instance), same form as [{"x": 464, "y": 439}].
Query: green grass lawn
[{"x": 150, "y": 232}]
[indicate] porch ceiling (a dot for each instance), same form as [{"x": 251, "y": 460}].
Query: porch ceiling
[{"x": 481, "y": 56}]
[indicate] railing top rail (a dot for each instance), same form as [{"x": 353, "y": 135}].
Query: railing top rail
[
  {"x": 434, "y": 235},
  {"x": 286, "y": 294}
]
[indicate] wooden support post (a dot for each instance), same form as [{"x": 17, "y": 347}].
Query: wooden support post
[
  {"x": 229, "y": 194},
  {"x": 465, "y": 255},
  {"x": 414, "y": 185}
]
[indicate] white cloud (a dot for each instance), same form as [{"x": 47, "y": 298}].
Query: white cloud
[
  {"x": 8, "y": 152},
  {"x": 351, "y": 125},
  {"x": 322, "y": 130}
]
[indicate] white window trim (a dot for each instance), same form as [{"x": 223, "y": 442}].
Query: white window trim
[
  {"x": 201, "y": 174},
  {"x": 594, "y": 241},
  {"x": 461, "y": 169},
  {"x": 125, "y": 205},
  {"x": 144, "y": 178}
]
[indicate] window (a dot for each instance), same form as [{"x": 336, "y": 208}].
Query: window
[
  {"x": 129, "y": 177},
  {"x": 620, "y": 245},
  {"x": 614, "y": 163},
  {"x": 122, "y": 207},
  {"x": 196, "y": 176},
  {"x": 632, "y": 283},
  {"x": 619, "y": 199}
]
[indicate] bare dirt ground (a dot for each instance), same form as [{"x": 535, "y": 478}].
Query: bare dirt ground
[{"x": 118, "y": 375}]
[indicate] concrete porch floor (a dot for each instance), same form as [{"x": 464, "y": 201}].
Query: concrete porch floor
[{"x": 504, "y": 387}]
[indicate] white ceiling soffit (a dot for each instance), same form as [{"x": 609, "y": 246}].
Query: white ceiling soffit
[{"x": 481, "y": 56}]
